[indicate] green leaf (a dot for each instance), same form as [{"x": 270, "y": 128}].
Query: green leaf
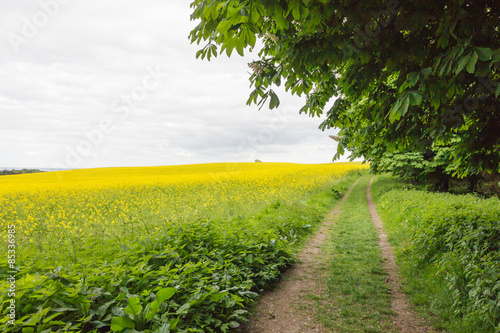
[
  {"x": 484, "y": 53},
  {"x": 84, "y": 303},
  {"x": 102, "y": 309},
  {"x": 174, "y": 321},
  {"x": 412, "y": 79},
  {"x": 471, "y": 65},
  {"x": 275, "y": 102},
  {"x": 396, "y": 106},
  {"x": 244, "y": 12},
  {"x": 281, "y": 22},
  {"x": 98, "y": 324},
  {"x": 399, "y": 109},
  {"x": 415, "y": 98},
  {"x": 163, "y": 294},
  {"x": 134, "y": 306},
  {"x": 404, "y": 106},
  {"x": 120, "y": 323},
  {"x": 497, "y": 91},
  {"x": 296, "y": 11},
  {"x": 254, "y": 15},
  {"x": 63, "y": 309},
  {"x": 230, "y": 45},
  {"x": 426, "y": 71},
  {"x": 251, "y": 38},
  {"x": 234, "y": 324},
  {"x": 207, "y": 11},
  {"x": 183, "y": 308},
  {"x": 49, "y": 318},
  {"x": 496, "y": 56},
  {"x": 444, "y": 65},
  {"x": 223, "y": 26},
  {"x": 117, "y": 311},
  {"x": 304, "y": 13},
  {"x": 165, "y": 328},
  {"x": 464, "y": 60},
  {"x": 231, "y": 11},
  {"x": 151, "y": 309},
  {"x": 217, "y": 296},
  {"x": 28, "y": 330},
  {"x": 239, "y": 49},
  {"x": 451, "y": 91},
  {"x": 220, "y": 6}
]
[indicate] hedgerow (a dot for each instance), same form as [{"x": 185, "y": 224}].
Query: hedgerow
[{"x": 458, "y": 238}]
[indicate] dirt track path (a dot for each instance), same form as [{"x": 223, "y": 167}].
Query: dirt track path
[
  {"x": 281, "y": 310},
  {"x": 404, "y": 320},
  {"x": 288, "y": 308}
]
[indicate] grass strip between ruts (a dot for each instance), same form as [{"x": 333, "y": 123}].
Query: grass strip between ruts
[{"x": 357, "y": 298}]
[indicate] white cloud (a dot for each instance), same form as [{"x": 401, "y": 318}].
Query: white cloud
[{"x": 66, "y": 80}]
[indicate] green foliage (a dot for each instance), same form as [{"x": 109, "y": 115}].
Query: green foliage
[
  {"x": 433, "y": 167},
  {"x": 338, "y": 192},
  {"x": 408, "y": 76},
  {"x": 18, "y": 172},
  {"x": 457, "y": 238},
  {"x": 194, "y": 276}
]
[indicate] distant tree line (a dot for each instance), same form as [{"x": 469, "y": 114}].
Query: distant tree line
[{"x": 18, "y": 172}]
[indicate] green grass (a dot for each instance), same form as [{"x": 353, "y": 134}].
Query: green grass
[
  {"x": 357, "y": 298},
  {"x": 446, "y": 247},
  {"x": 326, "y": 200}
]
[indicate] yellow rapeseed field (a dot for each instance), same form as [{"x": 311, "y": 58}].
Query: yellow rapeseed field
[
  {"x": 179, "y": 247},
  {"x": 59, "y": 210}
]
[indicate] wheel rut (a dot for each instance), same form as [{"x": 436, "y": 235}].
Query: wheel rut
[{"x": 405, "y": 320}]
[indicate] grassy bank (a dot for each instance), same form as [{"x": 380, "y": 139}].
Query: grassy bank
[{"x": 447, "y": 247}]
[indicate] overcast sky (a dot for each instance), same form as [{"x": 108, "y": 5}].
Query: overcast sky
[{"x": 87, "y": 83}]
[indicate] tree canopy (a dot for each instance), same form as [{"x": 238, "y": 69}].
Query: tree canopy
[{"x": 418, "y": 77}]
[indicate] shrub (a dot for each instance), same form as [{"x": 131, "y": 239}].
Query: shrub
[{"x": 458, "y": 235}]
